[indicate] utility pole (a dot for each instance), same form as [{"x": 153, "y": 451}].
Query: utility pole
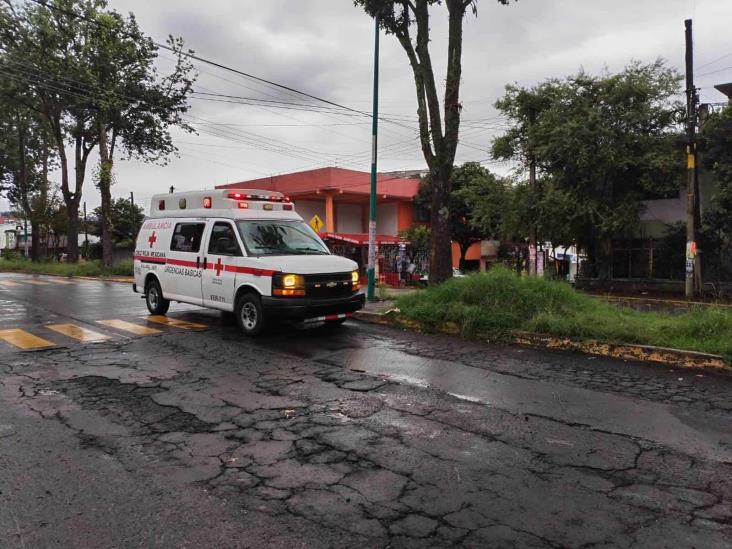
[
  {"x": 693, "y": 261},
  {"x": 86, "y": 234},
  {"x": 25, "y": 237},
  {"x": 532, "y": 185},
  {"x": 132, "y": 215},
  {"x": 372, "y": 199}
]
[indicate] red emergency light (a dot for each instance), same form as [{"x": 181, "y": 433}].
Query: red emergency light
[
  {"x": 207, "y": 202},
  {"x": 264, "y": 197},
  {"x": 243, "y": 205}
]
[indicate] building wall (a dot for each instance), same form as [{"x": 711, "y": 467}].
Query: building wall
[
  {"x": 406, "y": 215},
  {"x": 349, "y": 218},
  {"x": 308, "y": 208},
  {"x": 387, "y": 219}
]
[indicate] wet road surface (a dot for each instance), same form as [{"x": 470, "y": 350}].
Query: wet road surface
[{"x": 121, "y": 431}]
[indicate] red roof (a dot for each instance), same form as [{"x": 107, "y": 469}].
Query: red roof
[
  {"x": 362, "y": 239},
  {"x": 335, "y": 179}
]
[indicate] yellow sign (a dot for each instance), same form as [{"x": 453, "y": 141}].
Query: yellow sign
[{"x": 316, "y": 223}]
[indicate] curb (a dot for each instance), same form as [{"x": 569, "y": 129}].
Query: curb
[
  {"x": 120, "y": 279},
  {"x": 644, "y": 353}
]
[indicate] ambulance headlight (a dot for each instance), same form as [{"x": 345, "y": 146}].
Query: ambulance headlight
[
  {"x": 288, "y": 285},
  {"x": 355, "y": 280}
]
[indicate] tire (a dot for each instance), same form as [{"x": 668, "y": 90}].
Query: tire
[
  {"x": 249, "y": 314},
  {"x": 156, "y": 303}
]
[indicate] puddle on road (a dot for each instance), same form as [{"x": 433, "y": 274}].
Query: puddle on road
[{"x": 602, "y": 411}]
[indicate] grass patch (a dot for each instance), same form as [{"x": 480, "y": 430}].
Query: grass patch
[
  {"x": 83, "y": 268},
  {"x": 500, "y": 302}
]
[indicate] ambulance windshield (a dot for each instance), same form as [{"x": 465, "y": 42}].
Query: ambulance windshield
[{"x": 280, "y": 238}]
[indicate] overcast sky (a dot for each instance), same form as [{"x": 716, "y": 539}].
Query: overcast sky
[{"x": 325, "y": 48}]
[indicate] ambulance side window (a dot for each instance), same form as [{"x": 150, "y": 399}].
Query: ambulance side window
[
  {"x": 223, "y": 240},
  {"x": 187, "y": 237}
]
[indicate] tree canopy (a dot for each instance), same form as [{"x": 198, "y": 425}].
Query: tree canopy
[
  {"x": 602, "y": 144},
  {"x": 90, "y": 74},
  {"x": 409, "y": 22}
]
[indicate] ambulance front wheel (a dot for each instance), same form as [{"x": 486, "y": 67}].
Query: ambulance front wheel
[
  {"x": 156, "y": 303},
  {"x": 249, "y": 314}
]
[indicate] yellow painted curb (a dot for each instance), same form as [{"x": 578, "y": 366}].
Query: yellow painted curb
[{"x": 643, "y": 353}]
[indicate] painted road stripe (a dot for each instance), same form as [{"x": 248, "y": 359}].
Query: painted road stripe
[
  {"x": 77, "y": 332},
  {"x": 129, "y": 327},
  {"x": 36, "y": 282},
  {"x": 175, "y": 322},
  {"x": 24, "y": 340},
  {"x": 9, "y": 283}
]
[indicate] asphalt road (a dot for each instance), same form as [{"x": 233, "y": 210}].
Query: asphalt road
[{"x": 121, "y": 431}]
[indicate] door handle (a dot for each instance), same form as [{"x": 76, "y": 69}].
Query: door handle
[
  {"x": 198, "y": 262},
  {"x": 204, "y": 263}
]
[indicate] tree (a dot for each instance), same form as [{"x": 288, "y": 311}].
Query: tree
[
  {"x": 25, "y": 158},
  {"x": 716, "y": 234},
  {"x": 126, "y": 219},
  {"x": 601, "y": 143},
  {"x": 438, "y": 142},
  {"x": 134, "y": 107},
  {"x": 90, "y": 74},
  {"x": 475, "y": 204}
]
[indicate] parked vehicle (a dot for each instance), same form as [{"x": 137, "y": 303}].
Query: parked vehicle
[{"x": 244, "y": 251}]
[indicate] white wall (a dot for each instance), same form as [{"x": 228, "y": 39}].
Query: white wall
[
  {"x": 387, "y": 221},
  {"x": 308, "y": 208},
  {"x": 348, "y": 218}
]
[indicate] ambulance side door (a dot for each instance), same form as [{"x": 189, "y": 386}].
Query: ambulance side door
[
  {"x": 222, "y": 256},
  {"x": 182, "y": 280}
]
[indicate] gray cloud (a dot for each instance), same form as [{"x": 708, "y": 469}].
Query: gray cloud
[{"x": 324, "y": 47}]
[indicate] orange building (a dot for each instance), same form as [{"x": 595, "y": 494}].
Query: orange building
[{"x": 340, "y": 198}]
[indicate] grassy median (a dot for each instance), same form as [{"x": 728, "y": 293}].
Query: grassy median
[
  {"x": 83, "y": 268},
  {"x": 499, "y": 302}
]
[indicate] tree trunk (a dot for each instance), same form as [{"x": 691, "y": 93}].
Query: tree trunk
[
  {"x": 72, "y": 235},
  {"x": 35, "y": 241},
  {"x": 440, "y": 243},
  {"x": 105, "y": 184}
]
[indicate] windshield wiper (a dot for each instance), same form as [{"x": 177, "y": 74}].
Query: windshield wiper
[{"x": 306, "y": 250}]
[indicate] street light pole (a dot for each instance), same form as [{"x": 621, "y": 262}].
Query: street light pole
[{"x": 372, "y": 200}]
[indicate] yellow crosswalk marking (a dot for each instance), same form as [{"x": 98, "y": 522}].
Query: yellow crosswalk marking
[
  {"x": 77, "y": 332},
  {"x": 24, "y": 340},
  {"x": 9, "y": 283},
  {"x": 175, "y": 322},
  {"x": 129, "y": 327},
  {"x": 36, "y": 282}
]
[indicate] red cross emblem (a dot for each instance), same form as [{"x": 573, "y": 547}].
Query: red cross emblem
[
  {"x": 219, "y": 267},
  {"x": 153, "y": 239}
]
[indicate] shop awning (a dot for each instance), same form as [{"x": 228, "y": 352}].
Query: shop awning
[{"x": 362, "y": 239}]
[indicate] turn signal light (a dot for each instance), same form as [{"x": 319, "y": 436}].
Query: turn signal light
[
  {"x": 287, "y": 292},
  {"x": 355, "y": 281}
]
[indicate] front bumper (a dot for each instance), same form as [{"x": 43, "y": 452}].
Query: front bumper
[{"x": 300, "y": 308}]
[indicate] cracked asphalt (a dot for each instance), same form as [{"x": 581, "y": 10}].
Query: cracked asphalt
[{"x": 359, "y": 436}]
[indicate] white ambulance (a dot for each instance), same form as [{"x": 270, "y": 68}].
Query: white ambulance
[{"x": 245, "y": 251}]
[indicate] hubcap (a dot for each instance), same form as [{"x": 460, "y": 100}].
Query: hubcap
[
  {"x": 152, "y": 297},
  {"x": 249, "y": 316}
]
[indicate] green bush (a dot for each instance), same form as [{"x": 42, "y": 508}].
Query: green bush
[{"x": 500, "y": 302}]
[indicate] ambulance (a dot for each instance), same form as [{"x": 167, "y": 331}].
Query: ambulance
[{"x": 244, "y": 251}]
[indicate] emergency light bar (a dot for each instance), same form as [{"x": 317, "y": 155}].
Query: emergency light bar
[{"x": 265, "y": 197}]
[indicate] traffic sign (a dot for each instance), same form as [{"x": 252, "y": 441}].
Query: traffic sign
[{"x": 316, "y": 223}]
